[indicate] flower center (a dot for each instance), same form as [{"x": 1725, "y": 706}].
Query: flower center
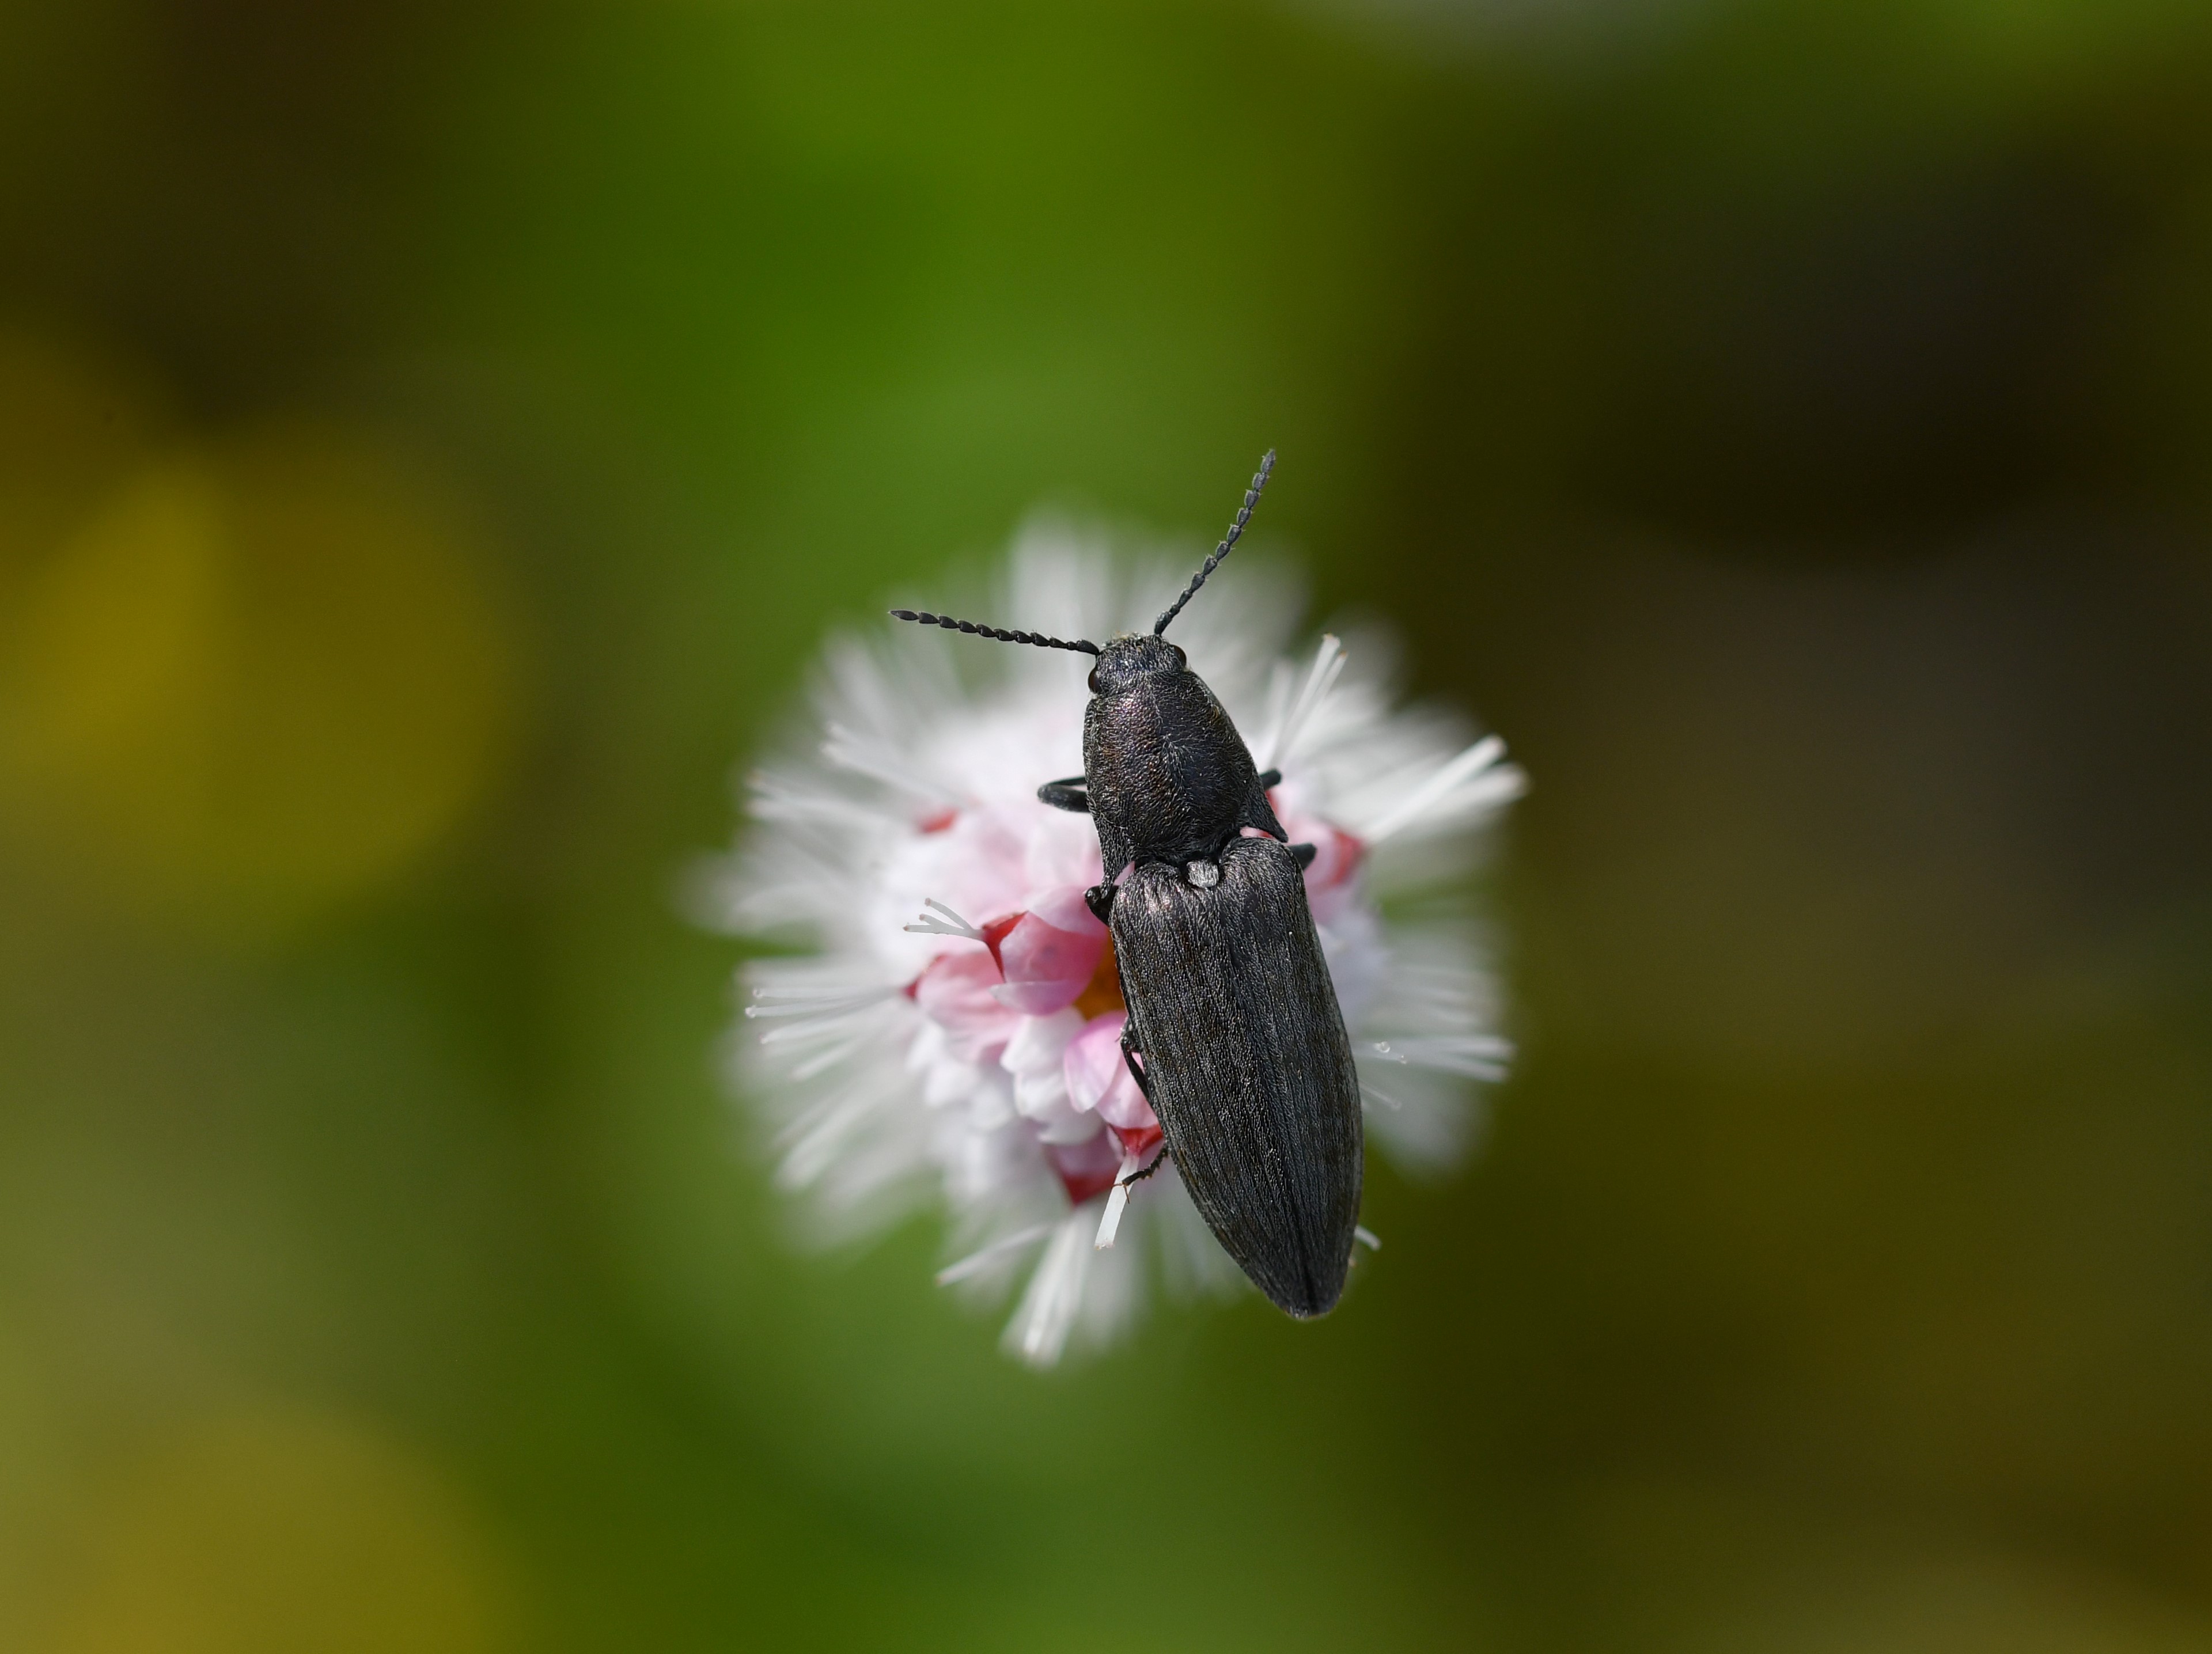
[{"x": 1102, "y": 993}]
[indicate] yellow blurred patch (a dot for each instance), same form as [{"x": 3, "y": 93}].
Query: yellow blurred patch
[
  {"x": 285, "y": 1534},
  {"x": 70, "y": 426},
  {"x": 255, "y": 679}
]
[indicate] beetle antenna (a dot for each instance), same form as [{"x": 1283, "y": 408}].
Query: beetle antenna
[
  {"x": 1235, "y": 530},
  {"x": 923, "y": 617}
]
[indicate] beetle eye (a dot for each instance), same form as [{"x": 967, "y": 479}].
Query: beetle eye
[
  {"x": 1181, "y": 659},
  {"x": 1093, "y": 679}
]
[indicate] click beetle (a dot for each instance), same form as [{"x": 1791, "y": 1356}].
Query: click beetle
[{"x": 1233, "y": 1034}]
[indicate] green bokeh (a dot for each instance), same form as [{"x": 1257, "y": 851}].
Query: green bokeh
[{"x": 1787, "y": 424}]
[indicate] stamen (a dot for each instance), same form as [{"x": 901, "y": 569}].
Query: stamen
[
  {"x": 815, "y": 1028},
  {"x": 813, "y": 1002},
  {"x": 950, "y": 925}
]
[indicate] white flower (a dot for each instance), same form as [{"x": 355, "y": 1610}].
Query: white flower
[{"x": 953, "y": 1036}]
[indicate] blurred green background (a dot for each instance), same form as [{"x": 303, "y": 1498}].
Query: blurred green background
[{"x": 434, "y": 438}]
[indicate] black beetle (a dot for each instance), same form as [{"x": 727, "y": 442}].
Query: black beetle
[{"x": 1234, "y": 1033}]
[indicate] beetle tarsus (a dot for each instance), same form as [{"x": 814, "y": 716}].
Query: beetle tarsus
[
  {"x": 1070, "y": 794},
  {"x": 1157, "y": 1161},
  {"x": 1271, "y": 777},
  {"x": 1303, "y": 855}
]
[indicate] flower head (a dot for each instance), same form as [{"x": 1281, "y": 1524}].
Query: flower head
[{"x": 952, "y": 1037}]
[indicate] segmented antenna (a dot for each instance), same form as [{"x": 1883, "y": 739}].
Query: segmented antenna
[
  {"x": 1235, "y": 528},
  {"x": 923, "y": 617}
]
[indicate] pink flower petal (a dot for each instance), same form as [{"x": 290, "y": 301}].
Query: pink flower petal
[
  {"x": 1099, "y": 1079},
  {"x": 1137, "y": 1141},
  {"x": 1337, "y": 854},
  {"x": 1065, "y": 909},
  {"x": 1049, "y": 953},
  {"x": 1085, "y": 1168},
  {"x": 955, "y": 992}
]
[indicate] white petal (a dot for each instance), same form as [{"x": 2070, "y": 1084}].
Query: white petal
[
  {"x": 1038, "y": 1332},
  {"x": 1039, "y": 1042},
  {"x": 1109, "y": 1221}
]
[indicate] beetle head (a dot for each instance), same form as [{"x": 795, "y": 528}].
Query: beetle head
[{"x": 1131, "y": 657}]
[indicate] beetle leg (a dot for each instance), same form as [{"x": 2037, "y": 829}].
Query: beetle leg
[
  {"x": 1271, "y": 777},
  {"x": 1159, "y": 1159},
  {"x": 1071, "y": 794},
  {"x": 1129, "y": 1060},
  {"x": 1304, "y": 856},
  {"x": 1100, "y": 901}
]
